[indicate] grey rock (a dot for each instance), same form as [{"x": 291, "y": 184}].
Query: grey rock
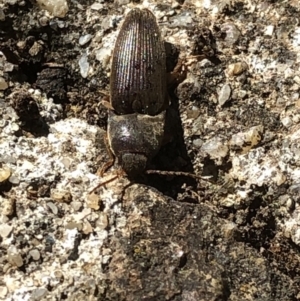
[
  {"x": 84, "y": 65},
  {"x": 224, "y": 94},
  {"x": 85, "y": 39}
]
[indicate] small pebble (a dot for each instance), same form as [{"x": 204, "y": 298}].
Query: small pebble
[
  {"x": 122, "y": 2},
  {"x": 96, "y": 6},
  {"x": 2, "y": 15},
  {"x": 35, "y": 49},
  {"x": 76, "y": 206},
  {"x": 5, "y": 230},
  {"x": 85, "y": 39},
  {"x": 87, "y": 228},
  {"x": 52, "y": 207},
  {"x": 58, "y": 275},
  {"x": 8, "y": 67},
  {"x": 73, "y": 225},
  {"x": 244, "y": 141},
  {"x": 14, "y": 127},
  {"x": 229, "y": 229},
  {"x": 14, "y": 180},
  {"x": 216, "y": 148},
  {"x": 193, "y": 113},
  {"x": 38, "y": 294},
  {"x": 103, "y": 56},
  {"x": 287, "y": 121},
  {"x": 5, "y": 173},
  {"x": 290, "y": 204},
  {"x": 205, "y": 63},
  {"x": 232, "y": 33},
  {"x": 8, "y": 159},
  {"x": 182, "y": 19},
  {"x": 93, "y": 201},
  {"x": 84, "y": 65},
  {"x": 35, "y": 254},
  {"x": 242, "y": 94},
  {"x": 198, "y": 143},
  {"x": 3, "y": 123},
  {"x": 230, "y": 201},
  {"x": 58, "y": 8},
  {"x": 61, "y": 24},
  {"x": 269, "y": 30},
  {"x": 61, "y": 196},
  {"x": 44, "y": 21},
  {"x": 107, "y": 23},
  {"x": 66, "y": 162},
  {"x": 21, "y": 45},
  {"x": 3, "y": 291},
  {"x": 14, "y": 257},
  {"x": 11, "y": 2},
  {"x": 3, "y": 84},
  {"x": 237, "y": 68},
  {"x": 102, "y": 221},
  {"x": 297, "y": 80},
  {"x": 224, "y": 94},
  {"x": 197, "y": 126},
  {"x": 7, "y": 206}
]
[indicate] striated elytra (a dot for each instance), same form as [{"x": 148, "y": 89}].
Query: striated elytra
[{"x": 138, "y": 93}]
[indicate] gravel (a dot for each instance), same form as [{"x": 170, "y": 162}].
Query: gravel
[{"x": 235, "y": 120}]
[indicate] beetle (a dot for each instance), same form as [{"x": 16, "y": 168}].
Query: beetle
[
  {"x": 138, "y": 93},
  {"x": 139, "y": 100}
]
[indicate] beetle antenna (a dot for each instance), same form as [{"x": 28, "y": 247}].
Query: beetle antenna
[
  {"x": 104, "y": 183},
  {"x": 177, "y": 173}
]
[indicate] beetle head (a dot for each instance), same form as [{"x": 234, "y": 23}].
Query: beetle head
[{"x": 133, "y": 163}]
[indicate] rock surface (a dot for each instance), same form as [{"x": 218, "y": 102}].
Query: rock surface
[{"x": 236, "y": 121}]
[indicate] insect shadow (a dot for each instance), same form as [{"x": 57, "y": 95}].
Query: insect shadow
[{"x": 173, "y": 155}]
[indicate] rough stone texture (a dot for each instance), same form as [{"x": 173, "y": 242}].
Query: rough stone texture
[{"x": 234, "y": 237}]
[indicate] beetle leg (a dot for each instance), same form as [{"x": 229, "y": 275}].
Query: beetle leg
[
  {"x": 106, "y": 104},
  {"x": 111, "y": 161},
  {"x": 104, "y": 183},
  {"x": 178, "y": 75}
]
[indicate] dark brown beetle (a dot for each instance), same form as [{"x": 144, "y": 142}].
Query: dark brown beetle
[
  {"x": 138, "y": 93},
  {"x": 138, "y": 97}
]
